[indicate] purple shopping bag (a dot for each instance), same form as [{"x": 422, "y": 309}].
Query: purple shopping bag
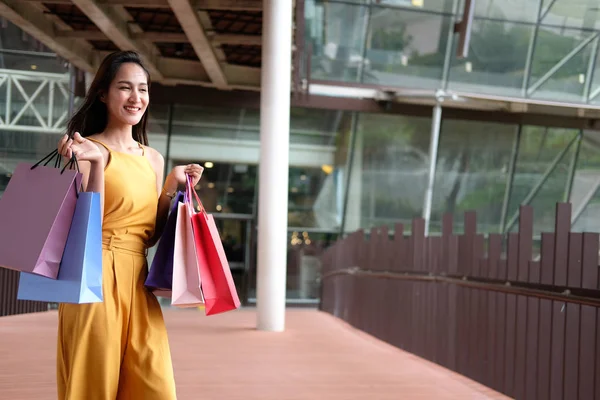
[
  {"x": 160, "y": 276},
  {"x": 36, "y": 211}
]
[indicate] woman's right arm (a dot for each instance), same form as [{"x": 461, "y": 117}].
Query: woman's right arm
[{"x": 91, "y": 163}]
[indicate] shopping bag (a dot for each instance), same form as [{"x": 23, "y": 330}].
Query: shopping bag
[
  {"x": 186, "y": 290},
  {"x": 218, "y": 288},
  {"x": 80, "y": 275},
  {"x": 36, "y": 210},
  {"x": 160, "y": 276}
]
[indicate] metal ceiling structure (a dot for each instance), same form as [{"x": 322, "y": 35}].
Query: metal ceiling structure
[{"x": 213, "y": 43}]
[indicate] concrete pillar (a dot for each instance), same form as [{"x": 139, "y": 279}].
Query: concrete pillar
[{"x": 274, "y": 164}]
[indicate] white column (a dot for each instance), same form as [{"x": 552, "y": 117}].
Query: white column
[{"x": 274, "y": 164}]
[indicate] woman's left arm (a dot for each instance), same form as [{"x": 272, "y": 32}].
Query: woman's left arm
[{"x": 174, "y": 180}]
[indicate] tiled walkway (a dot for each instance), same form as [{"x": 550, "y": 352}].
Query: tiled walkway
[{"x": 224, "y": 358}]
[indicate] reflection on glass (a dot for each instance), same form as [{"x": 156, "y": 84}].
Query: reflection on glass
[
  {"x": 304, "y": 250},
  {"x": 158, "y": 127},
  {"x": 216, "y": 122},
  {"x": 472, "y": 170},
  {"x": 585, "y": 193},
  {"x": 389, "y": 171},
  {"x": 538, "y": 149},
  {"x": 496, "y": 61},
  {"x": 507, "y": 10},
  {"x": 17, "y": 147},
  {"x": 444, "y": 6},
  {"x": 316, "y": 193},
  {"x": 336, "y": 34},
  {"x": 571, "y": 13},
  {"x": 226, "y": 188},
  {"x": 553, "y": 46},
  {"x": 406, "y": 48},
  {"x": 551, "y": 192}
]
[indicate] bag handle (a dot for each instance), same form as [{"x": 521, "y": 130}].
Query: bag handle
[
  {"x": 189, "y": 190},
  {"x": 54, "y": 155}
]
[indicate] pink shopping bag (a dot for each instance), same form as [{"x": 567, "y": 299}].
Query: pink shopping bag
[
  {"x": 218, "y": 287},
  {"x": 186, "y": 288},
  {"x": 36, "y": 211}
]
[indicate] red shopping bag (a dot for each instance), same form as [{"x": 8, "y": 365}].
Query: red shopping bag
[{"x": 218, "y": 288}]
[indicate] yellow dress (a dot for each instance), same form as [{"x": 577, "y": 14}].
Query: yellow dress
[{"x": 118, "y": 349}]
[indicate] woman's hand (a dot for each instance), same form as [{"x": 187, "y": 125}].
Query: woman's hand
[
  {"x": 178, "y": 175},
  {"x": 83, "y": 149}
]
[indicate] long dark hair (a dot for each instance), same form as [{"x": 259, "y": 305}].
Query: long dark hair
[{"x": 92, "y": 116}]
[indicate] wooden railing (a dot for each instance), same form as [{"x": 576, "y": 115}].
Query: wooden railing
[
  {"x": 9, "y": 305},
  {"x": 526, "y": 325}
]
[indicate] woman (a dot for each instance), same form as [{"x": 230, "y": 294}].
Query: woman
[{"x": 118, "y": 349}]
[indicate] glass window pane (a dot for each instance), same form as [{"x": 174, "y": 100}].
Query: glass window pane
[
  {"x": 336, "y": 33},
  {"x": 18, "y": 147},
  {"x": 406, "y": 48},
  {"x": 440, "y": 6},
  {"x": 551, "y": 192},
  {"x": 507, "y": 10},
  {"x": 585, "y": 194},
  {"x": 571, "y": 13},
  {"x": 496, "y": 61},
  {"x": 594, "y": 85},
  {"x": 553, "y": 46},
  {"x": 316, "y": 193},
  {"x": 538, "y": 148},
  {"x": 472, "y": 171},
  {"x": 315, "y": 126},
  {"x": 226, "y": 187},
  {"x": 216, "y": 122},
  {"x": 389, "y": 171}
]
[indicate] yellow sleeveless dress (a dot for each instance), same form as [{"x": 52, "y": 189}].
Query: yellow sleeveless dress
[{"x": 118, "y": 349}]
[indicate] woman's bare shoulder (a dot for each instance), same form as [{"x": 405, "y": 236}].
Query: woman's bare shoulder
[{"x": 156, "y": 159}]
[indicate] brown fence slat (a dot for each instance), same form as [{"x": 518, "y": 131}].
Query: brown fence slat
[
  {"x": 561, "y": 244},
  {"x": 452, "y": 341},
  {"x": 587, "y": 353},
  {"x": 531, "y": 361},
  {"x": 545, "y": 317},
  {"x": 511, "y": 315},
  {"x": 558, "y": 348},
  {"x": 524, "y": 257},
  {"x": 571, "y": 363},
  {"x": 589, "y": 263},
  {"x": 500, "y": 351}
]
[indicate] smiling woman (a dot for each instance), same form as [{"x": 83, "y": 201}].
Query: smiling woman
[{"x": 118, "y": 349}]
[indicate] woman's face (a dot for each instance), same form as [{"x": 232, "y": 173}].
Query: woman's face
[{"x": 127, "y": 97}]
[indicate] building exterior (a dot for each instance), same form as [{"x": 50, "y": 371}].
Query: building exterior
[{"x": 386, "y": 124}]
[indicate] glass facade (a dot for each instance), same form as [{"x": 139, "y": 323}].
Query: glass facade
[
  {"x": 525, "y": 49},
  {"x": 356, "y": 170}
]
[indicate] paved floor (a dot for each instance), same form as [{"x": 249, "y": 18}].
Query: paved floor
[{"x": 224, "y": 358}]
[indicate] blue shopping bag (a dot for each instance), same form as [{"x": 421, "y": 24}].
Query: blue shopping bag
[
  {"x": 160, "y": 276},
  {"x": 80, "y": 275}
]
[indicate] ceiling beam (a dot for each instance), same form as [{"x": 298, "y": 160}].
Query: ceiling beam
[
  {"x": 231, "y": 5},
  {"x": 87, "y": 35},
  {"x": 235, "y": 39},
  {"x": 168, "y": 37},
  {"x": 129, "y": 3},
  {"x": 35, "y": 23},
  {"x": 115, "y": 28},
  {"x": 162, "y": 37},
  {"x": 190, "y": 23}
]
